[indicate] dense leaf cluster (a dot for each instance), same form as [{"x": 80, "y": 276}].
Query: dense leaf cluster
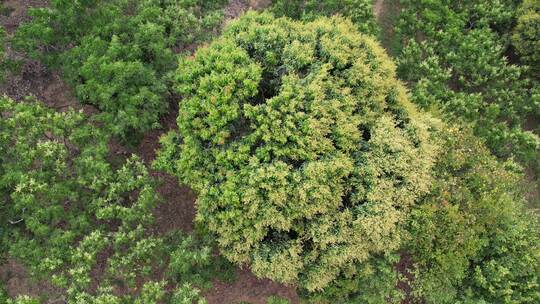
[
  {"x": 455, "y": 59},
  {"x": 117, "y": 53},
  {"x": 302, "y": 146},
  {"x": 73, "y": 218},
  {"x": 360, "y": 12},
  {"x": 526, "y": 37},
  {"x": 471, "y": 239}
]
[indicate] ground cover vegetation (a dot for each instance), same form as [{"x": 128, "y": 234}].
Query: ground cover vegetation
[
  {"x": 318, "y": 161},
  {"x": 65, "y": 207}
]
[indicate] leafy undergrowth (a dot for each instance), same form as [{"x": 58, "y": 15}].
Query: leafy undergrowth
[
  {"x": 117, "y": 54},
  {"x": 73, "y": 218}
]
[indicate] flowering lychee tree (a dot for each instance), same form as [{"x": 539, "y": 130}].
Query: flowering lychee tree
[{"x": 302, "y": 146}]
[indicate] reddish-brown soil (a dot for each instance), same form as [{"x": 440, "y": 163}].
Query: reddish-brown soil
[
  {"x": 405, "y": 267},
  {"x": 17, "y": 282},
  {"x": 235, "y": 8},
  {"x": 378, "y": 8},
  {"x": 249, "y": 289},
  {"x": 177, "y": 210},
  {"x": 18, "y": 12}
]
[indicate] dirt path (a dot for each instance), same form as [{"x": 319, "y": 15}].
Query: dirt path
[
  {"x": 386, "y": 14},
  {"x": 378, "y": 8}
]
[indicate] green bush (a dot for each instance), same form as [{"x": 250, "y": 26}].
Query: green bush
[
  {"x": 117, "y": 54},
  {"x": 302, "y": 146},
  {"x": 471, "y": 239},
  {"x": 526, "y": 37},
  {"x": 23, "y": 300},
  {"x": 68, "y": 210}
]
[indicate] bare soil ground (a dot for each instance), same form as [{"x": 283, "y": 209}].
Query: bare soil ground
[
  {"x": 17, "y": 282},
  {"x": 247, "y": 288},
  {"x": 18, "y": 12},
  {"x": 236, "y": 8},
  {"x": 386, "y": 13},
  {"x": 378, "y": 8}
]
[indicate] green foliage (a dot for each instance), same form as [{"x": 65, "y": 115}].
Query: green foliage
[
  {"x": 303, "y": 147},
  {"x": 186, "y": 294},
  {"x": 454, "y": 59},
  {"x": 7, "y": 65},
  {"x": 37, "y": 176},
  {"x": 470, "y": 237},
  {"x": 117, "y": 54},
  {"x": 192, "y": 260},
  {"x": 3, "y": 295},
  {"x": 277, "y": 300},
  {"x": 526, "y": 37},
  {"x": 23, "y": 300},
  {"x": 373, "y": 281},
  {"x": 359, "y": 11},
  {"x": 311, "y": 165},
  {"x": 68, "y": 211}
]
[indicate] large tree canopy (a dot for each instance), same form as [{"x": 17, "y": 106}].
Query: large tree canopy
[{"x": 302, "y": 145}]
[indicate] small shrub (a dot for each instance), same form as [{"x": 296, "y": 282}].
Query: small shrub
[
  {"x": 454, "y": 58},
  {"x": 23, "y": 300}
]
